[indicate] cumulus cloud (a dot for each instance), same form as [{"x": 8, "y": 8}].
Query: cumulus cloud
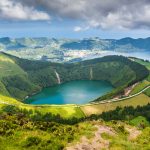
[
  {"x": 79, "y": 28},
  {"x": 94, "y": 13},
  {"x": 10, "y": 9}
]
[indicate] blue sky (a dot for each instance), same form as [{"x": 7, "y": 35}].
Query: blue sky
[
  {"x": 70, "y": 19},
  {"x": 62, "y": 29}
]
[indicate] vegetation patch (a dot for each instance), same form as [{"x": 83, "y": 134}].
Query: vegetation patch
[
  {"x": 23, "y": 78},
  {"x": 140, "y": 86},
  {"x": 90, "y": 109},
  {"x": 147, "y": 92},
  {"x": 140, "y": 122},
  {"x": 142, "y": 62}
]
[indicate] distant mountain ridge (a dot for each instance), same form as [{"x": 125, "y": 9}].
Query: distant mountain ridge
[{"x": 124, "y": 44}]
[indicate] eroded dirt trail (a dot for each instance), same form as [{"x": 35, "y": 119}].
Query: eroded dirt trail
[
  {"x": 133, "y": 132},
  {"x": 97, "y": 142}
]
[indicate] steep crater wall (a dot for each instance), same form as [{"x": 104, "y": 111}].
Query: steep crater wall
[{"x": 35, "y": 75}]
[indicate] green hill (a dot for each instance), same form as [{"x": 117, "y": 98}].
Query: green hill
[
  {"x": 47, "y": 127},
  {"x": 20, "y": 78}
]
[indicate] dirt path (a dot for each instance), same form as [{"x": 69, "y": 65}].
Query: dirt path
[
  {"x": 129, "y": 89},
  {"x": 133, "y": 132},
  {"x": 96, "y": 143}
]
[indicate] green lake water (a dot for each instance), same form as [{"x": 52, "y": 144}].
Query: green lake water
[{"x": 73, "y": 92}]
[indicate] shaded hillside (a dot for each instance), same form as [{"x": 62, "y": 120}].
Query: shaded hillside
[{"x": 20, "y": 78}]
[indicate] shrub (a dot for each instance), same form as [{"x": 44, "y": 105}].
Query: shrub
[
  {"x": 10, "y": 109},
  {"x": 31, "y": 141}
]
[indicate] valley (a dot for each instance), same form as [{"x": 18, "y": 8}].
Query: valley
[
  {"x": 74, "y": 75},
  {"x": 44, "y": 126},
  {"x": 46, "y": 76}
]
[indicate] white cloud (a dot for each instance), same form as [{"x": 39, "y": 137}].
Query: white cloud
[
  {"x": 105, "y": 14},
  {"x": 17, "y": 11},
  {"x": 79, "y": 29}
]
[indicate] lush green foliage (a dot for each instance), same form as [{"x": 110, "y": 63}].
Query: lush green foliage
[
  {"x": 147, "y": 92},
  {"x": 140, "y": 121},
  {"x": 36, "y": 115},
  {"x": 145, "y": 63},
  {"x": 21, "y": 130},
  {"x": 126, "y": 113},
  {"x": 32, "y": 76},
  {"x": 143, "y": 84}
]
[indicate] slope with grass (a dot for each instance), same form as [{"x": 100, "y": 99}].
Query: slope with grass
[
  {"x": 140, "y": 86},
  {"x": 139, "y": 100},
  {"x": 27, "y": 77},
  {"x": 18, "y": 132},
  {"x": 145, "y": 63},
  {"x": 64, "y": 111}
]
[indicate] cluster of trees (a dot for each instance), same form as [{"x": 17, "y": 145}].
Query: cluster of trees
[
  {"x": 51, "y": 135},
  {"x": 37, "y": 116},
  {"x": 126, "y": 113},
  {"x": 26, "y": 129}
]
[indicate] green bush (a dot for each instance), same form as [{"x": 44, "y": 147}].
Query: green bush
[
  {"x": 10, "y": 109},
  {"x": 32, "y": 141}
]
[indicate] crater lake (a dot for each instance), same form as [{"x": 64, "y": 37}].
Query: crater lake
[{"x": 73, "y": 92}]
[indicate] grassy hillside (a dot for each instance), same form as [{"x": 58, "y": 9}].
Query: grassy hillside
[
  {"x": 145, "y": 63},
  {"x": 8, "y": 67},
  {"x": 144, "y": 83},
  {"x": 140, "y": 86},
  {"x": 147, "y": 92},
  {"x": 18, "y": 131},
  {"x": 139, "y": 100},
  {"x": 20, "y": 78},
  {"x": 64, "y": 111}
]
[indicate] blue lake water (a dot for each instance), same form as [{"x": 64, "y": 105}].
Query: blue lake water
[{"x": 73, "y": 92}]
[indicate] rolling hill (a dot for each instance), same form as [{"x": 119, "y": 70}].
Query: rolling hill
[{"x": 24, "y": 126}]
